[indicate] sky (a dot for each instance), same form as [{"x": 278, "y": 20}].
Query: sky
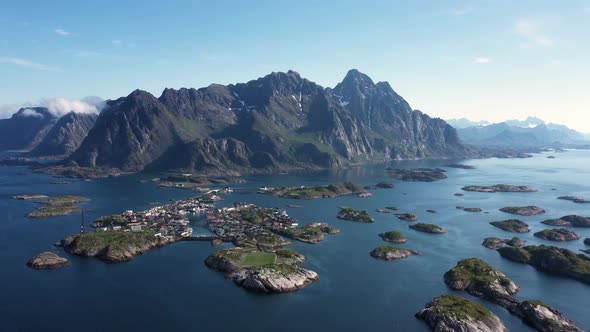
[{"x": 482, "y": 60}]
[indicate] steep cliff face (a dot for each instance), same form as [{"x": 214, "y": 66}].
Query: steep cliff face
[
  {"x": 26, "y": 128},
  {"x": 278, "y": 121},
  {"x": 65, "y": 136}
]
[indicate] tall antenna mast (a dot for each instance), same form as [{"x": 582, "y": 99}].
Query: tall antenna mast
[{"x": 82, "y": 223}]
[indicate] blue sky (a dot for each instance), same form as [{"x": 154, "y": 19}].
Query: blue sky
[{"x": 490, "y": 60}]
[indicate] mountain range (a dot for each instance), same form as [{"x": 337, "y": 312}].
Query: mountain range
[
  {"x": 531, "y": 132},
  {"x": 279, "y": 121}
]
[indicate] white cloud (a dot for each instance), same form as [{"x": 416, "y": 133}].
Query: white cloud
[
  {"x": 61, "y": 106},
  {"x": 532, "y": 31},
  {"x": 462, "y": 11},
  {"x": 117, "y": 42},
  {"x": 31, "y": 112},
  {"x": 27, "y": 64},
  {"x": 56, "y": 106},
  {"x": 62, "y": 32},
  {"x": 480, "y": 60}
]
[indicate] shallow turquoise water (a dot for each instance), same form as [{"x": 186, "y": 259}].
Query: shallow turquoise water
[{"x": 171, "y": 289}]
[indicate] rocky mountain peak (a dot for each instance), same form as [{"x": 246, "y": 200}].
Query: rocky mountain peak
[{"x": 34, "y": 112}]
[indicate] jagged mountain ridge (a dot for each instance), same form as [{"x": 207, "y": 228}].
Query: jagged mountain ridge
[
  {"x": 65, "y": 136},
  {"x": 278, "y": 121},
  {"x": 26, "y": 128},
  {"x": 532, "y": 132}
]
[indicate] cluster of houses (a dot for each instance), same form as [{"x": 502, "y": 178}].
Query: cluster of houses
[
  {"x": 167, "y": 220},
  {"x": 247, "y": 218}
]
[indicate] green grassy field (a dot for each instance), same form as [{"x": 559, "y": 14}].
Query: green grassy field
[{"x": 259, "y": 259}]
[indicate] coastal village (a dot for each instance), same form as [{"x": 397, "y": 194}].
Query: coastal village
[
  {"x": 167, "y": 221},
  {"x": 241, "y": 220}
]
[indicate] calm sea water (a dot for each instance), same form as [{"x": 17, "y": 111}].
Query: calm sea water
[{"x": 171, "y": 288}]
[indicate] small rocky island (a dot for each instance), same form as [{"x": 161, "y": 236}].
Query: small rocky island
[
  {"x": 113, "y": 246},
  {"x": 568, "y": 221},
  {"x": 47, "y": 260},
  {"x": 454, "y": 313},
  {"x": 307, "y": 192},
  {"x": 393, "y": 237},
  {"x": 505, "y": 188},
  {"x": 193, "y": 182},
  {"x": 348, "y": 213},
  {"x": 530, "y": 210},
  {"x": 267, "y": 272},
  {"x": 385, "y": 185},
  {"x": 574, "y": 199},
  {"x": 554, "y": 260},
  {"x": 55, "y": 206},
  {"x": 479, "y": 279},
  {"x": 472, "y": 209},
  {"x": 557, "y": 234},
  {"x": 428, "y": 228},
  {"x": 495, "y": 243},
  {"x": 417, "y": 174},
  {"x": 406, "y": 216},
  {"x": 512, "y": 225},
  {"x": 543, "y": 318},
  {"x": 389, "y": 253},
  {"x": 461, "y": 166}
]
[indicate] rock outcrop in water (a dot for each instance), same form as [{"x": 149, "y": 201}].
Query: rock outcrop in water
[
  {"x": 495, "y": 243},
  {"x": 558, "y": 261},
  {"x": 544, "y": 318},
  {"x": 481, "y": 280},
  {"x": 560, "y": 234},
  {"x": 393, "y": 237},
  {"x": 389, "y": 253},
  {"x": 568, "y": 221},
  {"x": 47, "y": 260},
  {"x": 507, "y": 188},
  {"x": 461, "y": 166},
  {"x": 449, "y": 313},
  {"x": 512, "y": 225},
  {"x": 523, "y": 210},
  {"x": 428, "y": 228},
  {"x": 574, "y": 199},
  {"x": 417, "y": 174}
]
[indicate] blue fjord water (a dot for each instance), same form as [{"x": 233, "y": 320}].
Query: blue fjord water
[{"x": 171, "y": 288}]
